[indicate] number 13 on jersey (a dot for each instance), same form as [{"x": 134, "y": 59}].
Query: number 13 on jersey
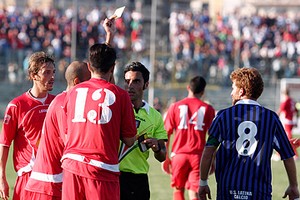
[{"x": 105, "y": 98}]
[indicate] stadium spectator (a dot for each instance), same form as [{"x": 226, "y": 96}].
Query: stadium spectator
[
  {"x": 99, "y": 114},
  {"x": 256, "y": 40},
  {"x": 134, "y": 166},
  {"x": 22, "y": 124},
  {"x": 245, "y": 135},
  {"x": 189, "y": 120}
]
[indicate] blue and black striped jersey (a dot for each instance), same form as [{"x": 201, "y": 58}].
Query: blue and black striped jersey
[{"x": 247, "y": 133}]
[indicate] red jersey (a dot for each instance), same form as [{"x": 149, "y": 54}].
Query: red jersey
[
  {"x": 46, "y": 175},
  {"x": 190, "y": 118},
  {"x": 98, "y": 115},
  {"x": 288, "y": 108},
  {"x": 23, "y": 121}
]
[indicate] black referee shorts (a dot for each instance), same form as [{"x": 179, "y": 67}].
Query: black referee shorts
[{"x": 134, "y": 186}]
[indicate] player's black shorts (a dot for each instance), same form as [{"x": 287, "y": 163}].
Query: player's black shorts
[{"x": 134, "y": 186}]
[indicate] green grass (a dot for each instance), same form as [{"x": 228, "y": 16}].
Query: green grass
[
  {"x": 160, "y": 182},
  {"x": 161, "y": 190}
]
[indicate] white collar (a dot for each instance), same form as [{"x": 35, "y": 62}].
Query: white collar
[
  {"x": 247, "y": 101},
  {"x": 146, "y": 106}
]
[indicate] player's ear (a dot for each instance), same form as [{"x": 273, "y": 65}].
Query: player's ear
[
  {"x": 242, "y": 92},
  {"x": 146, "y": 85},
  {"x": 33, "y": 77},
  {"x": 76, "y": 81},
  {"x": 188, "y": 87},
  {"x": 89, "y": 66},
  {"x": 112, "y": 69}
]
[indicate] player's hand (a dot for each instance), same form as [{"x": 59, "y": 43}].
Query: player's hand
[
  {"x": 166, "y": 166},
  {"x": 4, "y": 189},
  {"x": 152, "y": 143},
  {"x": 295, "y": 142},
  {"x": 292, "y": 192},
  {"x": 204, "y": 192}
]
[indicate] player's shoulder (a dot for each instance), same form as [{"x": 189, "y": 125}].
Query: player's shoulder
[
  {"x": 51, "y": 96},
  {"x": 153, "y": 112},
  {"x": 21, "y": 98}
]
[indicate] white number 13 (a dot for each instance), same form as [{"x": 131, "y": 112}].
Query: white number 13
[{"x": 106, "y": 113}]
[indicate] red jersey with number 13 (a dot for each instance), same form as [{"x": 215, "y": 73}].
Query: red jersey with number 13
[{"x": 98, "y": 115}]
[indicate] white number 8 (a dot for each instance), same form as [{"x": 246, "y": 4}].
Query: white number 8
[{"x": 246, "y": 143}]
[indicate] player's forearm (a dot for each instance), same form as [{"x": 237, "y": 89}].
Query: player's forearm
[
  {"x": 291, "y": 170},
  {"x": 206, "y": 162},
  {"x": 161, "y": 152},
  {"x": 129, "y": 141},
  {"x": 3, "y": 160}
]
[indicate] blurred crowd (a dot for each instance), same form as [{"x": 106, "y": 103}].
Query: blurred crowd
[
  {"x": 22, "y": 33},
  {"x": 267, "y": 41},
  {"x": 198, "y": 43}
]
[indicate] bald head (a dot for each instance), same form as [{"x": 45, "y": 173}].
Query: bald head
[{"x": 77, "y": 72}]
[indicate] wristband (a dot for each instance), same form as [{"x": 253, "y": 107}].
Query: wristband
[{"x": 203, "y": 182}]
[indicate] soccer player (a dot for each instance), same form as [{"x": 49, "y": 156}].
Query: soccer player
[
  {"x": 23, "y": 123},
  {"x": 189, "y": 119},
  {"x": 98, "y": 115},
  {"x": 288, "y": 109},
  {"x": 151, "y": 135},
  {"x": 45, "y": 181},
  {"x": 245, "y": 135}
]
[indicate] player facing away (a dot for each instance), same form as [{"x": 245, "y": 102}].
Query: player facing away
[
  {"x": 46, "y": 178},
  {"x": 98, "y": 114},
  {"x": 134, "y": 166},
  {"x": 245, "y": 135},
  {"x": 45, "y": 181},
  {"x": 189, "y": 120},
  {"x": 22, "y": 124}
]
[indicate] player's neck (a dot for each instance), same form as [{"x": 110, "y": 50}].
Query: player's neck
[
  {"x": 137, "y": 105},
  {"x": 101, "y": 76},
  {"x": 36, "y": 93}
]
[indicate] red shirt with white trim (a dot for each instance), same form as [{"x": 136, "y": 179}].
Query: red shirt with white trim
[
  {"x": 23, "y": 121},
  {"x": 98, "y": 115},
  {"x": 46, "y": 175},
  {"x": 190, "y": 119}
]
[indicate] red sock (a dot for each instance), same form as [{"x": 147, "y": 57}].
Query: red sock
[{"x": 178, "y": 195}]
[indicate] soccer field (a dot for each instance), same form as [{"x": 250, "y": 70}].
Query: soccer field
[
  {"x": 160, "y": 182},
  {"x": 161, "y": 189}
]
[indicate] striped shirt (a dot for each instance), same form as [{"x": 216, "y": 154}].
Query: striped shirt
[{"x": 247, "y": 133}]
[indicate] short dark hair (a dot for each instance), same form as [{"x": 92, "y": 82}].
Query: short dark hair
[
  {"x": 197, "y": 84},
  {"x": 138, "y": 67},
  {"x": 102, "y": 57}
]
